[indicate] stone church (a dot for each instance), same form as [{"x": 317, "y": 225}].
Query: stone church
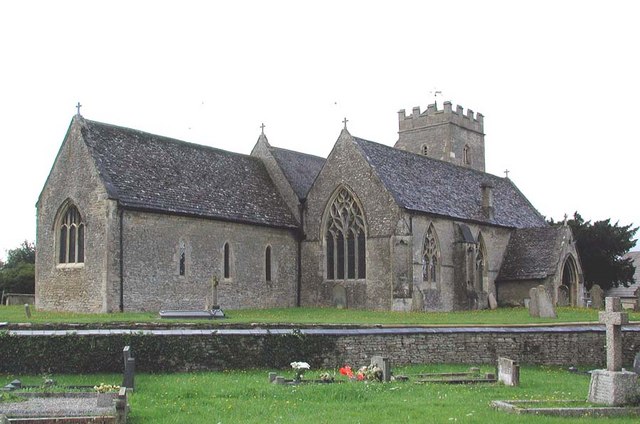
[{"x": 132, "y": 221}]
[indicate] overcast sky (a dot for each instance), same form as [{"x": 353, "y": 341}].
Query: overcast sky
[{"x": 557, "y": 81}]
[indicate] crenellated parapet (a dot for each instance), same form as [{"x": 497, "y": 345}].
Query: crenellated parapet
[{"x": 433, "y": 116}]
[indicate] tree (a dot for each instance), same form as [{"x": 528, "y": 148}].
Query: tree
[
  {"x": 17, "y": 274},
  {"x": 601, "y": 247}
]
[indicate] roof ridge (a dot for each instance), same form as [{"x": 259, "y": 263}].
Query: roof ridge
[
  {"x": 166, "y": 138},
  {"x": 296, "y": 151}
]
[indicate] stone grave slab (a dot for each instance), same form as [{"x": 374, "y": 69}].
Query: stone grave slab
[
  {"x": 384, "y": 364},
  {"x": 545, "y": 305},
  {"x": 508, "y": 372},
  {"x": 596, "y": 294},
  {"x": 534, "y": 310},
  {"x": 493, "y": 304}
]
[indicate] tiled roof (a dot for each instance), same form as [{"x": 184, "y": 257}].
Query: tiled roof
[
  {"x": 156, "y": 173},
  {"x": 532, "y": 253},
  {"x": 428, "y": 185},
  {"x": 299, "y": 169},
  {"x": 630, "y": 291}
]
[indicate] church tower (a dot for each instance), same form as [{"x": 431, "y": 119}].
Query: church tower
[{"x": 448, "y": 135}]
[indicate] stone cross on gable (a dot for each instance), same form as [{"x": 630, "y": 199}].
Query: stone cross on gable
[
  {"x": 262, "y": 128},
  {"x": 614, "y": 318},
  {"x": 78, "y": 106},
  {"x": 345, "y": 122}
]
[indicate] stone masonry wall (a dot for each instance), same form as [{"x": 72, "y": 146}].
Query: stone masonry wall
[
  {"x": 346, "y": 166},
  {"x": 276, "y": 348},
  {"x": 152, "y": 279},
  {"x": 73, "y": 180}
]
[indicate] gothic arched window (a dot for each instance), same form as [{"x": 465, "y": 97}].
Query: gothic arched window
[
  {"x": 267, "y": 263},
  {"x": 227, "y": 261},
  {"x": 345, "y": 239},
  {"x": 71, "y": 237},
  {"x": 430, "y": 255}
]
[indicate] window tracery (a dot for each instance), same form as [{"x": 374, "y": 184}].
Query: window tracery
[
  {"x": 345, "y": 239},
  {"x": 71, "y": 237},
  {"x": 430, "y": 255}
]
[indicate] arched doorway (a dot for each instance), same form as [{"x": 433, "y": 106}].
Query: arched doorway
[{"x": 569, "y": 285}]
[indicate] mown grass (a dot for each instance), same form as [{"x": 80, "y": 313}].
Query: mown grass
[
  {"x": 501, "y": 316},
  {"x": 247, "y": 397}
]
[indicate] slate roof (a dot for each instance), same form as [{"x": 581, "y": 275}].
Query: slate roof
[
  {"x": 300, "y": 169},
  {"x": 422, "y": 184},
  {"x": 622, "y": 291},
  {"x": 532, "y": 253},
  {"x": 155, "y": 173}
]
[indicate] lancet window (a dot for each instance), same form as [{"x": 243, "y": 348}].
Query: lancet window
[{"x": 345, "y": 239}]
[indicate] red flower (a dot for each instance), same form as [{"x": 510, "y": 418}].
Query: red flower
[{"x": 346, "y": 370}]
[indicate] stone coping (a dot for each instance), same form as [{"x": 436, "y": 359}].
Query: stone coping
[
  {"x": 320, "y": 330},
  {"x": 580, "y": 410}
]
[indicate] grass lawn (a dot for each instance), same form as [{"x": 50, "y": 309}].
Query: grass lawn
[
  {"x": 499, "y": 316},
  {"x": 247, "y": 397}
]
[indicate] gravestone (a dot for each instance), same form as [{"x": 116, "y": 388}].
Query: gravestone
[
  {"x": 636, "y": 307},
  {"x": 339, "y": 297},
  {"x": 129, "y": 368},
  {"x": 636, "y": 363},
  {"x": 534, "y": 311},
  {"x": 492, "y": 301},
  {"x": 613, "y": 386},
  {"x": 384, "y": 364},
  {"x": 563, "y": 296},
  {"x": 27, "y": 310},
  {"x": 545, "y": 305},
  {"x": 596, "y": 294},
  {"x": 508, "y": 372}
]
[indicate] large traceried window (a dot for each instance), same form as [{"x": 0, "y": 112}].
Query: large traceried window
[
  {"x": 430, "y": 255},
  {"x": 71, "y": 237},
  {"x": 345, "y": 239}
]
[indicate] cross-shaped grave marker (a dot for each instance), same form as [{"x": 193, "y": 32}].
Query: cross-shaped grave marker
[{"x": 614, "y": 318}]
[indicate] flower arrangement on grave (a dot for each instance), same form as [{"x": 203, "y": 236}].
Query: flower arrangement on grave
[
  {"x": 299, "y": 369},
  {"x": 327, "y": 377},
  {"x": 106, "y": 388},
  {"x": 371, "y": 372}
]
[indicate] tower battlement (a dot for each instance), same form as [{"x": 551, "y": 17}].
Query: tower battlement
[
  {"x": 432, "y": 116},
  {"x": 455, "y": 136}
]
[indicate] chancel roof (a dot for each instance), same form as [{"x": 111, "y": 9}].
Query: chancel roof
[
  {"x": 422, "y": 184},
  {"x": 155, "y": 173},
  {"x": 299, "y": 169},
  {"x": 532, "y": 253}
]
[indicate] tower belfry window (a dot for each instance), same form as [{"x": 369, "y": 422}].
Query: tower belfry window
[
  {"x": 466, "y": 155},
  {"x": 345, "y": 239}
]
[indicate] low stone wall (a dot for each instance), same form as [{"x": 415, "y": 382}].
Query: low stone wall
[
  {"x": 19, "y": 299},
  {"x": 28, "y": 351}
]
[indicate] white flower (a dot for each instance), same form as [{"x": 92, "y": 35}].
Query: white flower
[{"x": 300, "y": 366}]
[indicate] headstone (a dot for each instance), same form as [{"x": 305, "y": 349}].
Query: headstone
[
  {"x": 339, "y": 297},
  {"x": 563, "y": 296},
  {"x": 614, "y": 318},
  {"x": 533, "y": 302},
  {"x": 613, "y": 386},
  {"x": 280, "y": 380},
  {"x": 636, "y": 307},
  {"x": 493, "y": 304},
  {"x": 128, "y": 379},
  {"x": 545, "y": 305},
  {"x": 636, "y": 363},
  {"x": 384, "y": 364},
  {"x": 27, "y": 310},
  {"x": 272, "y": 377},
  {"x": 508, "y": 372},
  {"x": 596, "y": 294}
]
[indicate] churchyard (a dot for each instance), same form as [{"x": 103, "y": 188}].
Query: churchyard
[{"x": 414, "y": 393}]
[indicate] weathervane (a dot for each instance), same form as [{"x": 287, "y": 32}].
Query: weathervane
[
  {"x": 435, "y": 92},
  {"x": 78, "y": 106}
]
